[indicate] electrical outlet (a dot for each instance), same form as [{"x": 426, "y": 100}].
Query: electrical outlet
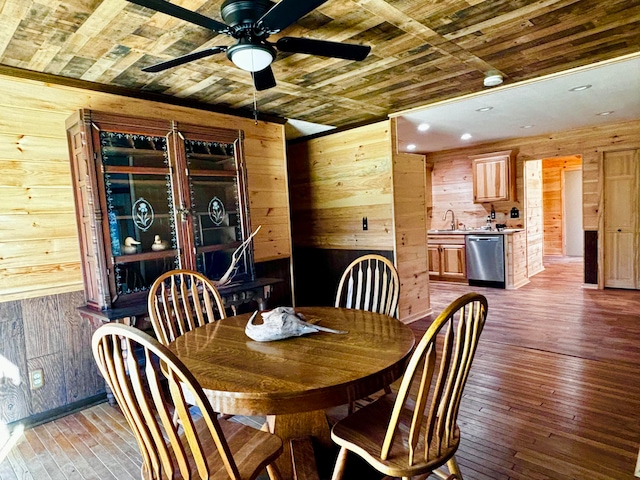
[{"x": 36, "y": 378}]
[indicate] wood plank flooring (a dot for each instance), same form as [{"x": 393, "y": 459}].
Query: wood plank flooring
[{"x": 554, "y": 393}]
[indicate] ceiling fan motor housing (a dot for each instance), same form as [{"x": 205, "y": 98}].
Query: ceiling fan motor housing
[{"x": 243, "y": 14}]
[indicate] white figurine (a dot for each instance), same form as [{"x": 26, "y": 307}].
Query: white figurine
[
  {"x": 159, "y": 244},
  {"x": 130, "y": 245},
  {"x": 280, "y": 323}
]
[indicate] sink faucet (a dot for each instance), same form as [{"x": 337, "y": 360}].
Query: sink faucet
[{"x": 453, "y": 218}]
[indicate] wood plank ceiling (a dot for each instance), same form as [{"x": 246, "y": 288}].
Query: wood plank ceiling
[{"x": 422, "y": 50}]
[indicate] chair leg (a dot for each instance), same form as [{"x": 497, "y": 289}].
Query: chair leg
[
  {"x": 273, "y": 472},
  {"x": 341, "y": 463},
  {"x": 453, "y": 467}
]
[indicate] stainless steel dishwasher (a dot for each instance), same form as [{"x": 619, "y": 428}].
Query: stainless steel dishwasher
[{"x": 485, "y": 260}]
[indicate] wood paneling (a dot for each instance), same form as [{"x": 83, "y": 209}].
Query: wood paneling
[
  {"x": 36, "y": 202},
  {"x": 15, "y": 402},
  {"x": 46, "y": 333},
  {"x": 53, "y": 393},
  {"x": 337, "y": 180},
  {"x": 41, "y": 327},
  {"x": 553, "y": 200},
  {"x": 534, "y": 216},
  {"x": 516, "y": 260},
  {"x": 409, "y": 213},
  {"x": 452, "y": 181},
  {"x": 317, "y": 272},
  {"x": 81, "y": 376},
  {"x": 422, "y": 52}
]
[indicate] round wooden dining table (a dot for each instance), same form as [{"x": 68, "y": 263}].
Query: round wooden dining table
[{"x": 292, "y": 381}]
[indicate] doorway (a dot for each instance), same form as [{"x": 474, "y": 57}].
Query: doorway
[{"x": 562, "y": 206}]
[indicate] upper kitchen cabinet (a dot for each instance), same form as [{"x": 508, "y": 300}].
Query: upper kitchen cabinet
[
  {"x": 155, "y": 195},
  {"x": 493, "y": 177}
]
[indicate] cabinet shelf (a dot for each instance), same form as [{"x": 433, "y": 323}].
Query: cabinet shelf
[
  {"x": 217, "y": 248},
  {"x": 140, "y": 257},
  {"x": 131, "y": 151},
  {"x": 135, "y": 171},
  {"x": 210, "y": 156}
]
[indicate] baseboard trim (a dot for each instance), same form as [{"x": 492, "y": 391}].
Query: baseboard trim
[{"x": 50, "y": 415}]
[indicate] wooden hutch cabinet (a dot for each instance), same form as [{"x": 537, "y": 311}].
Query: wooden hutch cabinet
[
  {"x": 151, "y": 196},
  {"x": 493, "y": 177}
]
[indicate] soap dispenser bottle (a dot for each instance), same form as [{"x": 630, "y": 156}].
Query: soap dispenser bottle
[{"x": 493, "y": 213}]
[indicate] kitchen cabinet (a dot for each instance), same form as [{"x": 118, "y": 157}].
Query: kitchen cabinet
[
  {"x": 151, "y": 196},
  {"x": 493, "y": 177},
  {"x": 447, "y": 257}
]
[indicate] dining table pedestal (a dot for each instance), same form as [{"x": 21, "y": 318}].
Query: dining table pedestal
[{"x": 293, "y": 381}]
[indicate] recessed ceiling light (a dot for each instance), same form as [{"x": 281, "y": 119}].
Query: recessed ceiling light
[
  {"x": 423, "y": 127},
  {"x": 526, "y": 126},
  {"x": 484, "y": 109},
  {"x": 411, "y": 146},
  {"x": 465, "y": 136},
  {"x": 604, "y": 114},
  {"x": 579, "y": 88}
]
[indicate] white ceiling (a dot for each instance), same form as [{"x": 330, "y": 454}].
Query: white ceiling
[{"x": 546, "y": 104}]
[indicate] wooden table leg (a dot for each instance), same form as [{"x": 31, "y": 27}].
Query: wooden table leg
[{"x": 298, "y": 425}]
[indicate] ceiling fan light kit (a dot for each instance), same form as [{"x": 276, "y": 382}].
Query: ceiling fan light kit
[
  {"x": 250, "y": 57},
  {"x": 251, "y": 22}
]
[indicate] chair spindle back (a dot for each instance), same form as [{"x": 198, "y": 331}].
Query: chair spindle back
[
  {"x": 181, "y": 300},
  {"x": 370, "y": 283},
  {"x": 130, "y": 362},
  {"x": 439, "y": 367}
]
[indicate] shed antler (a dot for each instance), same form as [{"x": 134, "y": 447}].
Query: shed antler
[{"x": 229, "y": 274}]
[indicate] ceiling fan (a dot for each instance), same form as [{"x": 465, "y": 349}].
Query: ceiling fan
[{"x": 250, "y": 22}]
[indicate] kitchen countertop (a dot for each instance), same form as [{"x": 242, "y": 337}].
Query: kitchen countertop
[{"x": 506, "y": 231}]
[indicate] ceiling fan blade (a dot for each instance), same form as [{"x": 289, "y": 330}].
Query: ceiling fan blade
[
  {"x": 158, "y": 67},
  {"x": 264, "y": 79},
  {"x": 323, "y": 48},
  {"x": 164, "y": 6},
  {"x": 286, "y": 12}
]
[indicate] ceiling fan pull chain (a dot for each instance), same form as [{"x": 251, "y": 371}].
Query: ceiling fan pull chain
[{"x": 255, "y": 99}]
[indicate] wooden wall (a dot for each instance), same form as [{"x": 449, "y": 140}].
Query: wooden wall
[
  {"x": 39, "y": 238},
  {"x": 589, "y": 143},
  {"x": 410, "y": 183},
  {"x": 552, "y": 185},
  {"x": 45, "y": 333},
  {"x": 40, "y": 276},
  {"x": 533, "y": 214},
  {"x": 338, "y": 179},
  {"x": 335, "y": 181}
]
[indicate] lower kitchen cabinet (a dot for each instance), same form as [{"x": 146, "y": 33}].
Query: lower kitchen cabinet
[{"x": 447, "y": 259}]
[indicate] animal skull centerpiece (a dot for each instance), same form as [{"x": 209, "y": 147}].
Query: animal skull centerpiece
[{"x": 281, "y": 323}]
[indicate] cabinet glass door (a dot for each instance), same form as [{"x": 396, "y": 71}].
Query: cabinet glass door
[
  {"x": 215, "y": 186},
  {"x": 140, "y": 211}
]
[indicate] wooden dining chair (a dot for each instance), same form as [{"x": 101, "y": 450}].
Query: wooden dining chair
[
  {"x": 181, "y": 300},
  {"x": 370, "y": 283},
  {"x": 414, "y": 432},
  {"x": 147, "y": 381}
]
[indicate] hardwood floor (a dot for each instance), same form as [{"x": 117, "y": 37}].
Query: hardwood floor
[{"x": 554, "y": 393}]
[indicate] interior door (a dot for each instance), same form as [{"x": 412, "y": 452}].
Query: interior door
[{"x": 620, "y": 219}]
